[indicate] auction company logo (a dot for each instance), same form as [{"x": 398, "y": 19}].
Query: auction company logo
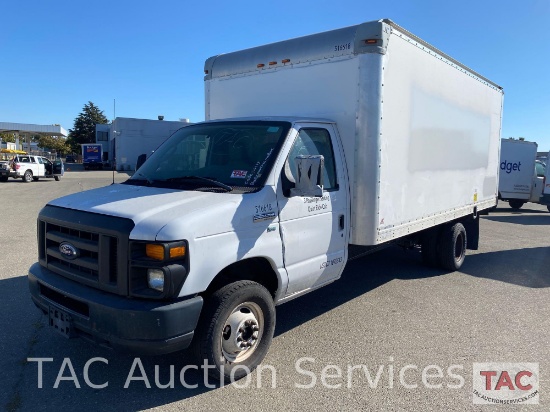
[{"x": 505, "y": 383}]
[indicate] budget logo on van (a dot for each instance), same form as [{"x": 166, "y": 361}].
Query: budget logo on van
[{"x": 509, "y": 166}]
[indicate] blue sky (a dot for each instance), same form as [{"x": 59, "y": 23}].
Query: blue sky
[{"x": 149, "y": 56}]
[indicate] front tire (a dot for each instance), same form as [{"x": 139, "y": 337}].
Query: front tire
[
  {"x": 516, "y": 204},
  {"x": 27, "y": 177},
  {"x": 4, "y": 179},
  {"x": 235, "y": 330},
  {"x": 452, "y": 246},
  {"x": 56, "y": 178}
]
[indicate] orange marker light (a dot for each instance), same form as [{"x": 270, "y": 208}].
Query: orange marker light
[
  {"x": 155, "y": 251},
  {"x": 285, "y": 61},
  {"x": 178, "y": 251},
  {"x": 259, "y": 66},
  {"x": 371, "y": 41},
  {"x": 272, "y": 63}
]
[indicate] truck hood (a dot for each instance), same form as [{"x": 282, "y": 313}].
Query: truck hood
[{"x": 155, "y": 210}]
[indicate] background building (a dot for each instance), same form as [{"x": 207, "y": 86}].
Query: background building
[{"x": 126, "y": 138}]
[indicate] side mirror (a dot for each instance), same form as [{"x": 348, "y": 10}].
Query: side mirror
[{"x": 309, "y": 181}]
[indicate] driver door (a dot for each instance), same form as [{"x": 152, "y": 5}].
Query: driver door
[{"x": 314, "y": 229}]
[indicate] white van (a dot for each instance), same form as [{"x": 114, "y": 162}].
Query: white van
[{"x": 522, "y": 177}]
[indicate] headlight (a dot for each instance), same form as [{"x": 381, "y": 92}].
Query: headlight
[
  {"x": 155, "y": 279},
  {"x": 157, "y": 270}
]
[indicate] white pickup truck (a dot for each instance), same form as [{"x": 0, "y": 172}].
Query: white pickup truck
[{"x": 31, "y": 168}]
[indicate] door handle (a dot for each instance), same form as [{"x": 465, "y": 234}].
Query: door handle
[{"x": 341, "y": 222}]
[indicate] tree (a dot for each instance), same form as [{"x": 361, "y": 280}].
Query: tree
[
  {"x": 57, "y": 143},
  {"x": 7, "y": 137},
  {"x": 83, "y": 130}
]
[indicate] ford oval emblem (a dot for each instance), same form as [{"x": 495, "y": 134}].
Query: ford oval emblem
[{"x": 68, "y": 251}]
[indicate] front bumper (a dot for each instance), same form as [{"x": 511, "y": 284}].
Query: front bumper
[{"x": 142, "y": 326}]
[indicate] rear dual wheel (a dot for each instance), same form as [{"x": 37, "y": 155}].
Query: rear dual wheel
[
  {"x": 445, "y": 247},
  {"x": 453, "y": 246}
]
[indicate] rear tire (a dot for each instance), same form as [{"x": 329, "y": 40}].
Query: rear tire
[
  {"x": 27, "y": 177},
  {"x": 452, "y": 246},
  {"x": 4, "y": 179},
  {"x": 516, "y": 204},
  {"x": 56, "y": 178},
  {"x": 548, "y": 207},
  {"x": 235, "y": 330}
]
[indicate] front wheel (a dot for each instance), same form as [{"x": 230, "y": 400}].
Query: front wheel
[
  {"x": 27, "y": 177},
  {"x": 235, "y": 330},
  {"x": 4, "y": 179},
  {"x": 516, "y": 204}
]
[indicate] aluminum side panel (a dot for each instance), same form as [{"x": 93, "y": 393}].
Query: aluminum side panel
[{"x": 440, "y": 139}]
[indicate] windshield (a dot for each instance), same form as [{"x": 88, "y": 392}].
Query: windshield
[{"x": 222, "y": 156}]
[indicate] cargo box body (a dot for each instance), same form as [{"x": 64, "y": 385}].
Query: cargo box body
[{"x": 421, "y": 132}]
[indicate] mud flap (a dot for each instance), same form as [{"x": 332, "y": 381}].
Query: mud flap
[{"x": 471, "y": 225}]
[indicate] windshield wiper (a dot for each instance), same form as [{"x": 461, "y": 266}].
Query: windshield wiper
[
  {"x": 147, "y": 180},
  {"x": 204, "y": 179}
]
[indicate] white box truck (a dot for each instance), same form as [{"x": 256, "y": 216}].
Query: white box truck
[
  {"x": 363, "y": 136},
  {"x": 522, "y": 177}
]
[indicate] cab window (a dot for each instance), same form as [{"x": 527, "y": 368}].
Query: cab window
[
  {"x": 315, "y": 141},
  {"x": 540, "y": 169}
]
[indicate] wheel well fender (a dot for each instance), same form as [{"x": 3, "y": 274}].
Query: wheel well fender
[{"x": 257, "y": 269}]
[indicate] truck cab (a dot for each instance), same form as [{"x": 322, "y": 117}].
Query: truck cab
[{"x": 224, "y": 199}]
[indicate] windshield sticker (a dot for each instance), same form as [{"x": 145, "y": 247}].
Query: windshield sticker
[{"x": 239, "y": 174}]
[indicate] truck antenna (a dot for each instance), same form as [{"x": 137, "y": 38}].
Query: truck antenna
[{"x": 113, "y": 162}]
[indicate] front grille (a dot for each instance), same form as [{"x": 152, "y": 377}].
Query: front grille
[
  {"x": 97, "y": 247},
  {"x": 87, "y": 264}
]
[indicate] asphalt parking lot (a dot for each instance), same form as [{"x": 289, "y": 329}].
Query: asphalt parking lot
[{"x": 380, "y": 326}]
